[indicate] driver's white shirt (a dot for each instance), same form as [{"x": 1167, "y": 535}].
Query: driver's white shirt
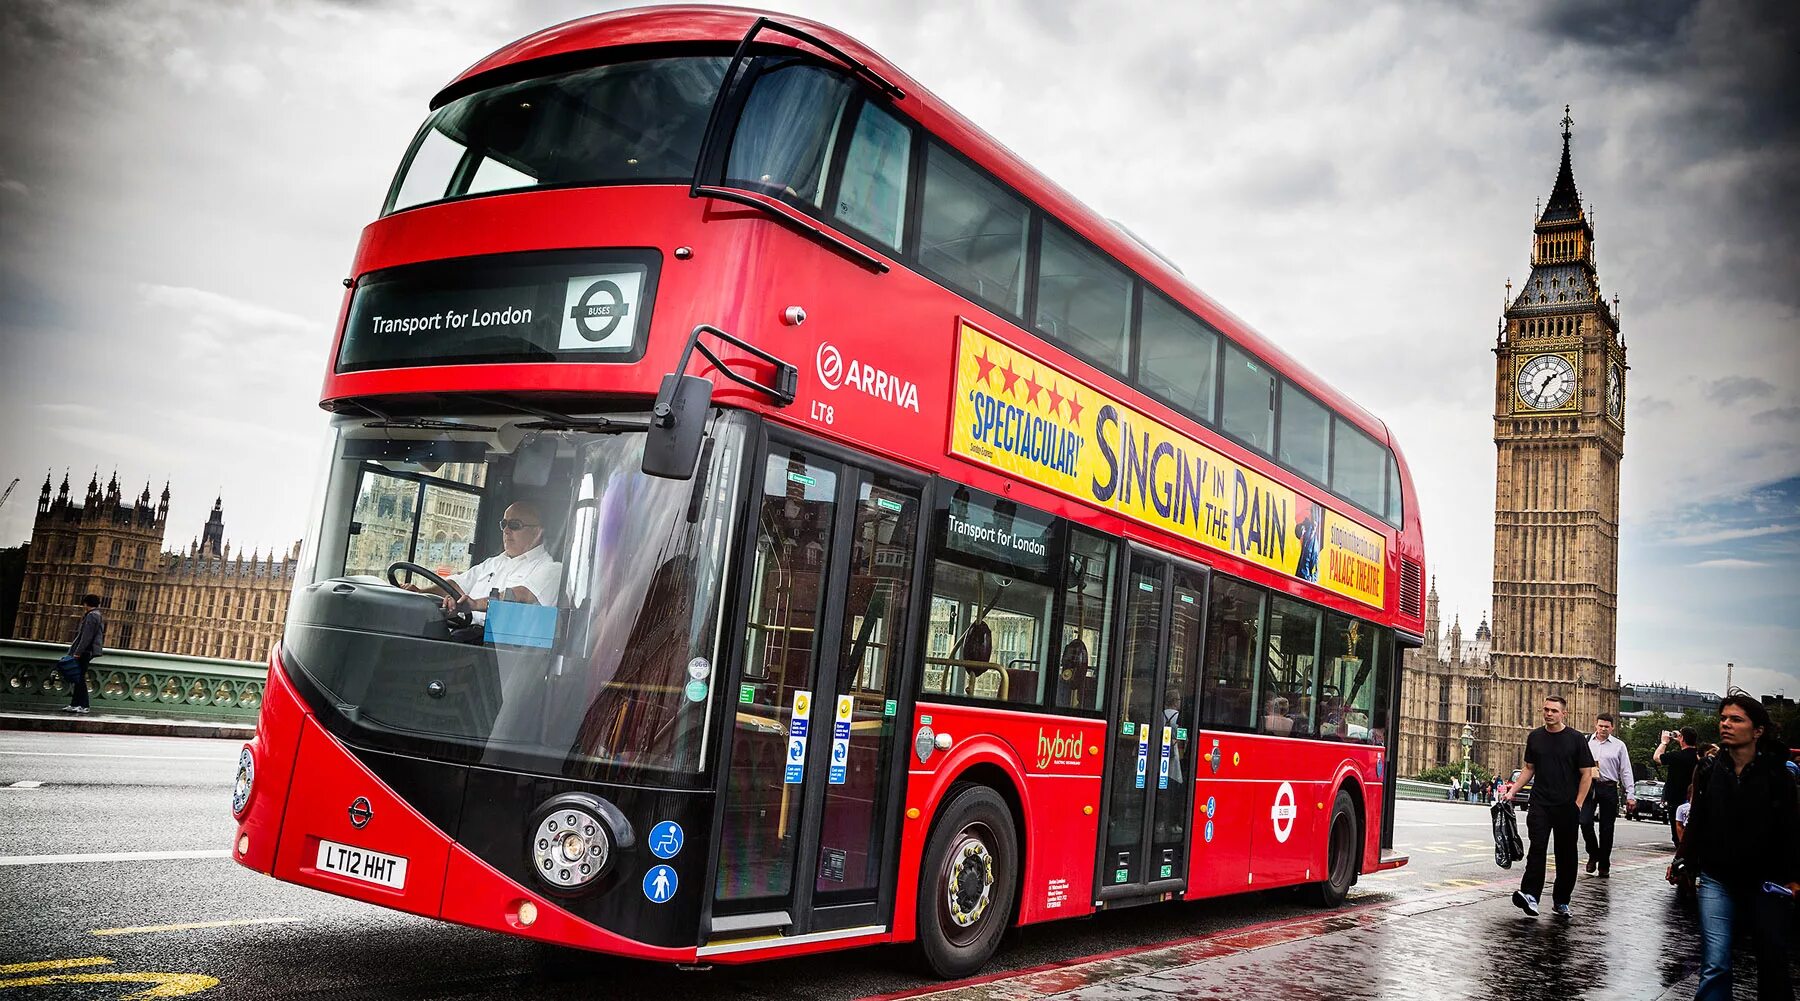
[{"x": 532, "y": 570}]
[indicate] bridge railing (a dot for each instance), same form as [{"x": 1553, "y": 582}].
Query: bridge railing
[{"x": 134, "y": 683}]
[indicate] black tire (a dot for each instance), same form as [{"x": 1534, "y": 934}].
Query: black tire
[
  {"x": 1343, "y": 845},
  {"x": 968, "y": 882}
]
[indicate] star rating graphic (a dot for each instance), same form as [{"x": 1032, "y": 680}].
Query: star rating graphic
[{"x": 1022, "y": 383}]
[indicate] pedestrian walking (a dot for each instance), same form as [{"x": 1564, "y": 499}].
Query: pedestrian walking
[
  {"x": 1455, "y": 787},
  {"x": 89, "y": 636},
  {"x": 1612, "y": 780},
  {"x": 1559, "y": 770},
  {"x": 1680, "y": 766},
  {"x": 1742, "y": 827}
]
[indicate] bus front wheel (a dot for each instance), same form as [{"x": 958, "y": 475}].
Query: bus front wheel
[
  {"x": 967, "y": 882},
  {"x": 1342, "y": 845}
]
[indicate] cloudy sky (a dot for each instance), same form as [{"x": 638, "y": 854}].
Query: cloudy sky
[{"x": 182, "y": 183}]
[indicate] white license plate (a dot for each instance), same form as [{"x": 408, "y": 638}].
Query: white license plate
[{"x": 363, "y": 864}]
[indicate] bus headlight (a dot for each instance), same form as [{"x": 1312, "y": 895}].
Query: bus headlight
[
  {"x": 575, "y": 839},
  {"x": 246, "y": 778}
]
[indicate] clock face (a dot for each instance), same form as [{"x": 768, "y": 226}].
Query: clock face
[
  {"x": 1615, "y": 392},
  {"x": 1547, "y": 382}
]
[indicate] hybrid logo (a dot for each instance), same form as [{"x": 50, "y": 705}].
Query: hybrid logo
[{"x": 835, "y": 373}]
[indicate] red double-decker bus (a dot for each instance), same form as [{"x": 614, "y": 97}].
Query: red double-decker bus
[{"x": 705, "y": 378}]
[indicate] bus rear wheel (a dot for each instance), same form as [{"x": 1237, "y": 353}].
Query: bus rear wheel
[
  {"x": 967, "y": 882},
  {"x": 1341, "y": 849}
]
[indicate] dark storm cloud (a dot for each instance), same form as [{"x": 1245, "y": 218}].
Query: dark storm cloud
[
  {"x": 1733, "y": 388},
  {"x": 1728, "y": 75}
]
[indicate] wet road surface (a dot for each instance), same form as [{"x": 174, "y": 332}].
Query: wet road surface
[{"x": 152, "y": 903}]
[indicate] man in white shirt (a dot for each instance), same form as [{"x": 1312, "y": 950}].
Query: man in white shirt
[
  {"x": 523, "y": 571},
  {"x": 1612, "y": 780}
]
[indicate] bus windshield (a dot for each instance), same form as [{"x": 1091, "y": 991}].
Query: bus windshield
[
  {"x": 587, "y": 639},
  {"x": 621, "y": 123}
]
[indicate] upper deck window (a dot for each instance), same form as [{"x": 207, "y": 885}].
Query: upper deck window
[
  {"x": 973, "y": 232},
  {"x": 1305, "y": 433},
  {"x": 1083, "y": 299},
  {"x": 788, "y": 129},
  {"x": 1394, "y": 504},
  {"x": 1249, "y": 403},
  {"x": 619, "y": 123},
  {"x": 1177, "y": 355},
  {"x": 1358, "y": 466},
  {"x": 872, "y": 193}
]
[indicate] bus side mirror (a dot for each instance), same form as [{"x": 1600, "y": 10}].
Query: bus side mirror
[{"x": 677, "y": 426}]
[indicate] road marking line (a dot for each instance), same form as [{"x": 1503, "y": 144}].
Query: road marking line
[
  {"x": 235, "y": 922},
  {"x": 115, "y": 857},
  {"x": 133, "y": 757},
  {"x": 54, "y": 965},
  {"x": 164, "y": 985},
  {"x": 27, "y": 784}
]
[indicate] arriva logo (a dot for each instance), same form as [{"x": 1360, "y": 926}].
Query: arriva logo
[
  {"x": 1058, "y": 748},
  {"x": 834, "y": 374}
]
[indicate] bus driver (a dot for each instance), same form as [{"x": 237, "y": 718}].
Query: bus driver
[{"x": 522, "y": 571}]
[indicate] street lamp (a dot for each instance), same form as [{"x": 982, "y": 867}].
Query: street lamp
[{"x": 1468, "y": 741}]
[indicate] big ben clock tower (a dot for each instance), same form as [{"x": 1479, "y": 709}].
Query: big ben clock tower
[{"x": 1559, "y": 428}]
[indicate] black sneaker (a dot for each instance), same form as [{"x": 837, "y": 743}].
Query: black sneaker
[
  {"x": 1604, "y": 873},
  {"x": 1592, "y": 864},
  {"x": 1525, "y": 902}
]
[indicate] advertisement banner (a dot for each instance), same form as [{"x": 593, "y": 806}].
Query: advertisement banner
[{"x": 1022, "y": 416}]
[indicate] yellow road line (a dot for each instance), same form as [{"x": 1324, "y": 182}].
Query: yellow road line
[
  {"x": 148, "y": 929},
  {"x": 163, "y": 985},
  {"x": 53, "y": 964}
]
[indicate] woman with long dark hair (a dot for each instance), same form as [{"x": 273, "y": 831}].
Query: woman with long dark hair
[{"x": 1741, "y": 838}]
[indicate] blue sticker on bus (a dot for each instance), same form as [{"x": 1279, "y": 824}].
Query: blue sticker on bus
[
  {"x": 660, "y": 884},
  {"x": 1209, "y": 830},
  {"x": 666, "y": 839},
  {"x": 1211, "y": 804}
]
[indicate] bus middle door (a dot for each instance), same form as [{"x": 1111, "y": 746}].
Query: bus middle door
[{"x": 1148, "y": 823}]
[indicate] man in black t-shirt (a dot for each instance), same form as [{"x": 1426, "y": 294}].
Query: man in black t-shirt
[
  {"x": 1560, "y": 769},
  {"x": 1680, "y": 764}
]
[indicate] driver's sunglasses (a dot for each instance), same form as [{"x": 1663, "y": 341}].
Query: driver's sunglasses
[{"x": 514, "y": 524}]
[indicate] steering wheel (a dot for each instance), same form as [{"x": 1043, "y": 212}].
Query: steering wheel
[{"x": 459, "y": 618}]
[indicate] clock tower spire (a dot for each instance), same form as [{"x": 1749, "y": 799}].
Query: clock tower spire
[{"x": 1559, "y": 435}]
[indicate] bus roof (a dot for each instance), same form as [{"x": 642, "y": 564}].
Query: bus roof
[{"x": 706, "y": 23}]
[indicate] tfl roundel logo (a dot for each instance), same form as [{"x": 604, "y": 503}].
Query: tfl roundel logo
[{"x": 830, "y": 363}]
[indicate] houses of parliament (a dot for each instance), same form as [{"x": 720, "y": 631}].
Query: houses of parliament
[
  {"x": 203, "y": 601},
  {"x": 1559, "y": 437}
]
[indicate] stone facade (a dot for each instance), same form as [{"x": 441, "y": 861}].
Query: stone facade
[
  {"x": 1559, "y": 435},
  {"x": 204, "y": 601},
  {"x": 1443, "y": 686}
]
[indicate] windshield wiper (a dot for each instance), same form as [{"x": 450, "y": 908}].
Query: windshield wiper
[{"x": 417, "y": 423}]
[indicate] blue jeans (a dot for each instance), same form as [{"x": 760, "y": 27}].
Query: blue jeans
[{"x": 1723, "y": 907}]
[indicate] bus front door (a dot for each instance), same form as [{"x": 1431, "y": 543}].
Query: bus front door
[
  {"x": 1149, "y": 823},
  {"x": 807, "y": 821}
]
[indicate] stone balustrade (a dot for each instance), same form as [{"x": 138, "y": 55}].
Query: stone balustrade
[{"x": 134, "y": 683}]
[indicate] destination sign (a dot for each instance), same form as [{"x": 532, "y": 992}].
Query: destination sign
[{"x": 586, "y": 306}]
